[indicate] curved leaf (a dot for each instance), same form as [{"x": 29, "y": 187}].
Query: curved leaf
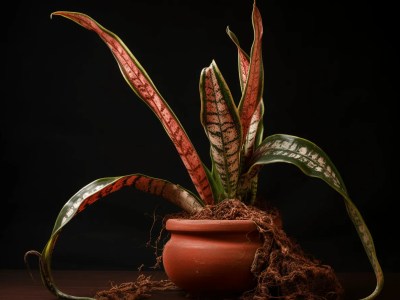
[
  {"x": 314, "y": 162},
  {"x": 97, "y": 190},
  {"x": 254, "y": 86},
  {"x": 220, "y": 120},
  {"x": 243, "y": 60},
  {"x": 141, "y": 84}
]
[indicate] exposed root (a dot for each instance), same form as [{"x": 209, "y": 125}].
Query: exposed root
[
  {"x": 140, "y": 289},
  {"x": 282, "y": 269}
]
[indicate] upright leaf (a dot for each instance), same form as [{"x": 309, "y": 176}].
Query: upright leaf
[
  {"x": 221, "y": 122},
  {"x": 314, "y": 162},
  {"x": 141, "y": 84},
  {"x": 255, "y": 133},
  {"x": 97, "y": 190},
  {"x": 254, "y": 86},
  {"x": 250, "y": 140}
]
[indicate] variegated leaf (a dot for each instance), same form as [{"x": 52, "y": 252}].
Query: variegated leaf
[
  {"x": 256, "y": 127},
  {"x": 243, "y": 60},
  {"x": 141, "y": 84},
  {"x": 221, "y": 122},
  {"x": 97, "y": 190},
  {"x": 314, "y": 162},
  {"x": 254, "y": 86}
]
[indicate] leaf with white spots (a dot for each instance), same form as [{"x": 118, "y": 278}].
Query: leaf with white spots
[
  {"x": 313, "y": 162},
  {"x": 99, "y": 189}
]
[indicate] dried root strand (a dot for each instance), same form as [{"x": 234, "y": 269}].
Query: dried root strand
[{"x": 140, "y": 289}]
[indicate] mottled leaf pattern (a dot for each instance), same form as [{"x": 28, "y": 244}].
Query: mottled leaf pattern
[
  {"x": 243, "y": 60},
  {"x": 142, "y": 85},
  {"x": 233, "y": 133},
  {"x": 253, "y": 90},
  {"x": 99, "y": 189},
  {"x": 256, "y": 127},
  {"x": 314, "y": 162},
  {"x": 220, "y": 120}
]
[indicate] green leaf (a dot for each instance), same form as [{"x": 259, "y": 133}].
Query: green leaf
[
  {"x": 142, "y": 85},
  {"x": 314, "y": 162},
  {"x": 97, "y": 190},
  {"x": 221, "y": 122}
]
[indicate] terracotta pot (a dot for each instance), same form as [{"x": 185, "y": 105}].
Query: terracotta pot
[{"x": 211, "y": 256}]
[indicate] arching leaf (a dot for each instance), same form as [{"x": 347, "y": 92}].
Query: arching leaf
[
  {"x": 221, "y": 122},
  {"x": 141, "y": 84},
  {"x": 314, "y": 162},
  {"x": 97, "y": 190}
]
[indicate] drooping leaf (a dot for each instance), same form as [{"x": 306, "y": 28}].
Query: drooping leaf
[
  {"x": 99, "y": 189},
  {"x": 221, "y": 122},
  {"x": 254, "y": 85},
  {"x": 141, "y": 84},
  {"x": 314, "y": 162}
]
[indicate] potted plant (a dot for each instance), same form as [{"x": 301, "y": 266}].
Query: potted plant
[{"x": 226, "y": 192}]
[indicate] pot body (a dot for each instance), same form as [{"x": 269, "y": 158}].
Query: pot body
[{"x": 211, "y": 256}]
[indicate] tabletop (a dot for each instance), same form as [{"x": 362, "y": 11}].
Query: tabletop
[{"x": 17, "y": 284}]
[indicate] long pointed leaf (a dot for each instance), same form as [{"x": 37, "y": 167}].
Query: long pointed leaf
[
  {"x": 253, "y": 90},
  {"x": 221, "y": 122},
  {"x": 256, "y": 127},
  {"x": 97, "y": 190},
  {"x": 141, "y": 84},
  {"x": 314, "y": 162}
]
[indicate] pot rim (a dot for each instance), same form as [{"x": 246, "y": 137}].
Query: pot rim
[{"x": 188, "y": 225}]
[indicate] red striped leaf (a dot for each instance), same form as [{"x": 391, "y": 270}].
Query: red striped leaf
[
  {"x": 254, "y": 85},
  {"x": 142, "y": 85},
  {"x": 255, "y": 131},
  {"x": 99, "y": 189}
]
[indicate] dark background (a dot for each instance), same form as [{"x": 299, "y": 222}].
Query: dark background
[{"x": 68, "y": 118}]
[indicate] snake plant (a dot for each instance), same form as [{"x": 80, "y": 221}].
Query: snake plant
[{"x": 237, "y": 146}]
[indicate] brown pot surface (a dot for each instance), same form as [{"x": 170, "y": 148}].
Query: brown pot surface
[{"x": 211, "y": 256}]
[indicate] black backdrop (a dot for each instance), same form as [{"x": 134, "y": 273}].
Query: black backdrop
[{"x": 68, "y": 117}]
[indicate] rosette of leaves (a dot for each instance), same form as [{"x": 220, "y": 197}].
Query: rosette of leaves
[{"x": 238, "y": 148}]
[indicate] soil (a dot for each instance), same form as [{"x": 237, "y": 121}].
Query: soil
[{"x": 282, "y": 269}]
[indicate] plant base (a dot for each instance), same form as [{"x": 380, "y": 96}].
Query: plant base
[{"x": 281, "y": 269}]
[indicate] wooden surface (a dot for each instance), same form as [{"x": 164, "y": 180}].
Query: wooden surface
[{"x": 17, "y": 284}]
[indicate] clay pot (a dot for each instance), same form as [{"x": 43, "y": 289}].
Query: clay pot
[{"x": 211, "y": 257}]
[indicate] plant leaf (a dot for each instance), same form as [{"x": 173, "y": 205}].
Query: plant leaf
[
  {"x": 256, "y": 127},
  {"x": 243, "y": 60},
  {"x": 254, "y": 86},
  {"x": 141, "y": 84},
  {"x": 221, "y": 122},
  {"x": 97, "y": 190},
  {"x": 314, "y": 162}
]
